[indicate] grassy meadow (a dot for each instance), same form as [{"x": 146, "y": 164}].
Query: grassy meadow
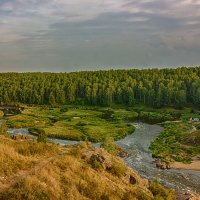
[
  {"x": 180, "y": 140},
  {"x": 75, "y": 123}
]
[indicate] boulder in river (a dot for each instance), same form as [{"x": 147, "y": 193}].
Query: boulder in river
[
  {"x": 122, "y": 153},
  {"x": 161, "y": 165}
]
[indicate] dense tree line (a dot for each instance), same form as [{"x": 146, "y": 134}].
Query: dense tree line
[{"x": 155, "y": 87}]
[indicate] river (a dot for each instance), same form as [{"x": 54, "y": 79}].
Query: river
[{"x": 140, "y": 158}]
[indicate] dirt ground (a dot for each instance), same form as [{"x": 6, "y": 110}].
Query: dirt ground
[{"x": 195, "y": 165}]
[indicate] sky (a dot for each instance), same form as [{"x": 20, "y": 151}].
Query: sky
[{"x": 73, "y": 35}]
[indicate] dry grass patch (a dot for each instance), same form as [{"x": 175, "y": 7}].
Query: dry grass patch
[
  {"x": 16, "y": 155},
  {"x": 70, "y": 176}
]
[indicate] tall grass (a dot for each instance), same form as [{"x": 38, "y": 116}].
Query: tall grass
[
  {"x": 16, "y": 155},
  {"x": 70, "y": 176}
]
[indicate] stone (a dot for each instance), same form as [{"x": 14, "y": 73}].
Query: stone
[{"x": 133, "y": 180}]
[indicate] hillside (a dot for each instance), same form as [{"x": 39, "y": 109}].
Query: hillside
[{"x": 32, "y": 171}]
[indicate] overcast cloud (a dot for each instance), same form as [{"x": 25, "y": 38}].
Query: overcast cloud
[{"x": 63, "y": 35}]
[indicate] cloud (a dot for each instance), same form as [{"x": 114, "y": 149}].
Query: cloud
[
  {"x": 53, "y": 28},
  {"x": 42, "y": 14}
]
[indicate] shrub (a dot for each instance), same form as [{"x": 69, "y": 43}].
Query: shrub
[
  {"x": 1, "y": 114},
  {"x": 108, "y": 114},
  {"x": 64, "y": 109},
  {"x": 108, "y": 145},
  {"x": 96, "y": 164},
  {"x": 159, "y": 192},
  {"x": 198, "y": 126},
  {"x": 42, "y": 137},
  {"x": 40, "y": 133},
  {"x": 36, "y": 131},
  {"x": 117, "y": 168},
  {"x": 4, "y": 129},
  {"x": 81, "y": 123}
]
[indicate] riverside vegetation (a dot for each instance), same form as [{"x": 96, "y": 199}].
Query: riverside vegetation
[
  {"x": 178, "y": 142},
  {"x": 85, "y": 122}
]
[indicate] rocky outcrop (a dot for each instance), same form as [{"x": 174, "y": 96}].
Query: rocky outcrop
[
  {"x": 187, "y": 195},
  {"x": 133, "y": 180},
  {"x": 106, "y": 161},
  {"x": 161, "y": 165},
  {"x": 92, "y": 155},
  {"x": 22, "y": 137}
]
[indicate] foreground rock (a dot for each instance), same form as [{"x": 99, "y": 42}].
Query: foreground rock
[
  {"x": 99, "y": 158},
  {"x": 121, "y": 152},
  {"x": 187, "y": 196}
]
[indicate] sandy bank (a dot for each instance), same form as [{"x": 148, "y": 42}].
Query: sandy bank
[{"x": 195, "y": 165}]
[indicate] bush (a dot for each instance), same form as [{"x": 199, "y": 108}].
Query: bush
[
  {"x": 155, "y": 117},
  {"x": 118, "y": 168},
  {"x": 35, "y": 131},
  {"x": 159, "y": 192},
  {"x": 40, "y": 133},
  {"x": 1, "y": 114},
  {"x": 198, "y": 126},
  {"x": 108, "y": 145},
  {"x": 4, "y": 129},
  {"x": 64, "y": 109},
  {"x": 81, "y": 123},
  {"x": 108, "y": 114},
  {"x": 96, "y": 164},
  {"x": 42, "y": 137}
]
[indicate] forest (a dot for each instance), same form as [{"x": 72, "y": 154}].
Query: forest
[{"x": 154, "y": 87}]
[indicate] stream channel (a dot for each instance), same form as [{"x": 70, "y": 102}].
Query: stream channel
[{"x": 140, "y": 158}]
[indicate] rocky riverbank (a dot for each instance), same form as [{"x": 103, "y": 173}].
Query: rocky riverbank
[{"x": 140, "y": 158}]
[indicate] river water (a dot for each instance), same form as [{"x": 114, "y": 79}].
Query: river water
[{"x": 140, "y": 158}]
